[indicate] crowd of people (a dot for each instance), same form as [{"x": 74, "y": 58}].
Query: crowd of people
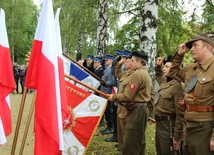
[
  {"x": 19, "y": 72},
  {"x": 19, "y": 77},
  {"x": 183, "y": 104}
]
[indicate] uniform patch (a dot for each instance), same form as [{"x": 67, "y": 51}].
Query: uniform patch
[{"x": 132, "y": 87}]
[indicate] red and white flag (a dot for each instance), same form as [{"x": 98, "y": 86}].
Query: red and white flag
[
  {"x": 7, "y": 83},
  {"x": 85, "y": 110},
  {"x": 43, "y": 75}
]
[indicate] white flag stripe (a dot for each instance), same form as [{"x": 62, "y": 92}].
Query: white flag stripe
[
  {"x": 58, "y": 93},
  {"x": 3, "y": 31},
  {"x": 2, "y": 133},
  {"x": 91, "y": 106}
]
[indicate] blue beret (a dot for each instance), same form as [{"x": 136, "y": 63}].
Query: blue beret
[
  {"x": 98, "y": 59},
  {"x": 90, "y": 57},
  {"x": 126, "y": 53},
  {"x": 108, "y": 56},
  {"x": 118, "y": 52}
]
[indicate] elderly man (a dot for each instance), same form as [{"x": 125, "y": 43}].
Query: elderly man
[{"x": 199, "y": 96}]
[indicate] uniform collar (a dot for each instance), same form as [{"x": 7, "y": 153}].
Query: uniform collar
[{"x": 207, "y": 63}]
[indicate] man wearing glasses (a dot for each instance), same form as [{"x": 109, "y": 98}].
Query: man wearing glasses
[{"x": 199, "y": 93}]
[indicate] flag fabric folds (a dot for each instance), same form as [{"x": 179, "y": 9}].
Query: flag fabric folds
[
  {"x": 80, "y": 74},
  {"x": 86, "y": 110},
  {"x": 43, "y": 75},
  {"x": 7, "y": 83}
]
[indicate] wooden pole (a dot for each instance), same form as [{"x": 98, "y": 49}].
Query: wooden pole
[
  {"x": 28, "y": 124},
  {"x": 19, "y": 121},
  {"x": 88, "y": 71},
  {"x": 97, "y": 91},
  {"x": 83, "y": 84}
]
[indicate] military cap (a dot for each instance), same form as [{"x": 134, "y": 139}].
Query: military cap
[
  {"x": 140, "y": 55},
  {"x": 208, "y": 37},
  {"x": 90, "y": 57},
  {"x": 126, "y": 53},
  {"x": 118, "y": 52},
  {"x": 98, "y": 59},
  {"x": 167, "y": 59},
  {"x": 108, "y": 56}
]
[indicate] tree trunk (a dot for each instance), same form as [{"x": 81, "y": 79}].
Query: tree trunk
[
  {"x": 148, "y": 33},
  {"x": 79, "y": 44},
  {"x": 102, "y": 28}
]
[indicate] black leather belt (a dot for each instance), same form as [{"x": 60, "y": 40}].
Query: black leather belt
[{"x": 164, "y": 118}]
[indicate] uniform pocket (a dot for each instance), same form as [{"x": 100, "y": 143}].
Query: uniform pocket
[
  {"x": 166, "y": 99},
  {"x": 205, "y": 85}
]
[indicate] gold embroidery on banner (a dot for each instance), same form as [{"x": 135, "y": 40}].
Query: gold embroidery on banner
[
  {"x": 73, "y": 150},
  {"x": 94, "y": 105}
]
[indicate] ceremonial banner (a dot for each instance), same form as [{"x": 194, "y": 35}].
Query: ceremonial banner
[
  {"x": 86, "y": 110},
  {"x": 43, "y": 75},
  {"x": 7, "y": 83},
  {"x": 79, "y": 73}
]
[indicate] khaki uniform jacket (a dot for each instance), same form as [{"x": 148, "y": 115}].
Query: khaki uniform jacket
[
  {"x": 138, "y": 89},
  {"x": 124, "y": 78},
  {"x": 204, "y": 88},
  {"x": 167, "y": 105}
]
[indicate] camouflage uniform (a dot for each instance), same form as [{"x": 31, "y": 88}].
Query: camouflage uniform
[
  {"x": 169, "y": 117},
  {"x": 199, "y": 102},
  {"x": 136, "y": 95}
]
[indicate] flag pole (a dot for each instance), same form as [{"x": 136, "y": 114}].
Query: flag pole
[
  {"x": 19, "y": 121},
  {"x": 88, "y": 71},
  {"x": 28, "y": 124},
  {"x": 95, "y": 90}
]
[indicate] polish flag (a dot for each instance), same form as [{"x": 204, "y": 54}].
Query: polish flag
[
  {"x": 7, "y": 83},
  {"x": 43, "y": 75}
]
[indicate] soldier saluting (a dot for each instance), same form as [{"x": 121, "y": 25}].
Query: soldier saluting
[
  {"x": 168, "y": 116},
  {"x": 135, "y": 97},
  {"x": 199, "y": 93}
]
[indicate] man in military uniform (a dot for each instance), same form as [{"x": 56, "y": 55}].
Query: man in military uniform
[
  {"x": 135, "y": 97},
  {"x": 124, "y": 78},
  {"x": 168, "y": 116},
  {"x": 199, "y": 89}
]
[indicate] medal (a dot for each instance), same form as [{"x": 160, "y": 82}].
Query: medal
[{"x": 191, "y": 83}]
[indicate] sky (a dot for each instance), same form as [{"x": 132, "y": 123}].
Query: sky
[{"x": 188, "y": 5}]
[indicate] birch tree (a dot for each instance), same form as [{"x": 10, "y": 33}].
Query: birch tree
[
  {"x": 102, "y": 27},
  {"x": 149, "y": 14}
]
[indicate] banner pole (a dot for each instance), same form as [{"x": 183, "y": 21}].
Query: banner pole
[
  {"x": 88, "y": 71},
  {"x": 83, "y": 84},
  {"x": 19, "y": 121},
  {"x": 97, "y": 91},
  {"x": 28, "y": 124}
]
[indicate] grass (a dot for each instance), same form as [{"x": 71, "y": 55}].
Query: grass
[{"x": 99, "y": 146}]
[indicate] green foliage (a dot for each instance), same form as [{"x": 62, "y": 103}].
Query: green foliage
[
  {"x": 21, "y": 24},
  {"x": 80, "y": 16}
]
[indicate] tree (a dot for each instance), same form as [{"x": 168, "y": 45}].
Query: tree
[
  {"x": 148, "y": 30},
  {"x": 21, "y": 19}
]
